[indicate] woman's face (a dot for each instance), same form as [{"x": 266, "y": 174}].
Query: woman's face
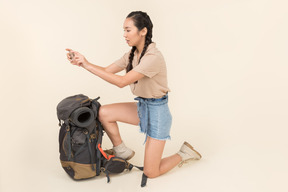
[{"x": 131, "y": 33}]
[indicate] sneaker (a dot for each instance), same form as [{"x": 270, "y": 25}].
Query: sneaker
[
  {"x": 123, "y": 152},
  {"x": 188, "y": 153}
]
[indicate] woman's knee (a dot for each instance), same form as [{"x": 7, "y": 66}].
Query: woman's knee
[
  {"x": 150, "y": 173},
  {"x": 103, "y": 113}
]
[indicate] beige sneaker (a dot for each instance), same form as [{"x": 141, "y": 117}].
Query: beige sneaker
[
  {"x": 123, "y": 152},
  {"x": 188, "y": 153}
]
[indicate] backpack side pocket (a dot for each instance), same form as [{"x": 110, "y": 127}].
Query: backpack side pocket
[{"x": 65, "y": 143}]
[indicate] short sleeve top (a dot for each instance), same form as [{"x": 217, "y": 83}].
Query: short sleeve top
[{"x": 154, "y": 84}]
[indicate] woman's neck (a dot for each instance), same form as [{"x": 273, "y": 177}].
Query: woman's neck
[{"x": 140, "y": 46}]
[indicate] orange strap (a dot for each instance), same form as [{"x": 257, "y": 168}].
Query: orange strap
[{"x": 104, "y": 154}]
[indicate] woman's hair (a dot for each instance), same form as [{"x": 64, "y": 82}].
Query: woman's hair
[{"x": 141, "y": 20}]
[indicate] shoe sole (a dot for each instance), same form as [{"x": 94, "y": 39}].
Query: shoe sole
[
  {"x": 190, "y": 146},
  {"x": 130, "y": 157}
]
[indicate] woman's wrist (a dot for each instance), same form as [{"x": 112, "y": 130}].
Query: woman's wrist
[{"x": 86, "y": 65}]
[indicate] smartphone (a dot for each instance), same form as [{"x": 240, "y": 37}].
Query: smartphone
[{"x": 71, "y": 55}]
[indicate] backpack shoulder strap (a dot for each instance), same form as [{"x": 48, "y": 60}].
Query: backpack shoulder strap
[
  {"x": 95, "y": 106},
  {"x": 144, "y": 180},
  {"x": 144, "y": 177}
]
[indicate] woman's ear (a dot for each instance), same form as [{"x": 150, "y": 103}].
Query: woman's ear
[{"x": 143, "y": 31}]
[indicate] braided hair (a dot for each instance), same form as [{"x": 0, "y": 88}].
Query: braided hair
[{"x": 141, "y": 20}]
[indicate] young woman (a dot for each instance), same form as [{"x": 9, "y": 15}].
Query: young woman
[{"x": 146, "y": 74}]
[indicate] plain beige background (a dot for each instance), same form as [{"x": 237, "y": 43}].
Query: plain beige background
[{"x": 227, "y": 66}]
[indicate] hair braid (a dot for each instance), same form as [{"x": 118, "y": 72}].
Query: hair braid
[
  {"x": 147, "y": 43},
  {"x": 131, "y": 56}
]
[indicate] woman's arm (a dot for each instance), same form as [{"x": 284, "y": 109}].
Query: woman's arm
[
  {"x": 113, "y": 68},
  {"x": 119, "y": 81},
  {"x": 106, "y": 73}
]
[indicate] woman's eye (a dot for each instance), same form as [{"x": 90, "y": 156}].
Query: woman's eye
[{"x": 128, "y": 30}]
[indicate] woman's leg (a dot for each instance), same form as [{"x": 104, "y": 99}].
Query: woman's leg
[
  {"x": 122, "y": 112},
  {"x": 154, "y": 165}
]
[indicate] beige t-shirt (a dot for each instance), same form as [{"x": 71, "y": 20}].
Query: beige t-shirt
[{"x": 154, "y": 84}]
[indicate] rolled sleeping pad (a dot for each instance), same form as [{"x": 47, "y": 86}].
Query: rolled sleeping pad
[{"x": 82, "y": 117}]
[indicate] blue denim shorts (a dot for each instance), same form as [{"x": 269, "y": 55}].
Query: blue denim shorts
[{"x": 155, "y": 117}]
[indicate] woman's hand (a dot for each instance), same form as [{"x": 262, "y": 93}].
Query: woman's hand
[{"x": 76, "y": 58}]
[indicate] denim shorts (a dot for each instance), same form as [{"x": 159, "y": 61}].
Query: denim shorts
[{"x": 155, "y": 117}]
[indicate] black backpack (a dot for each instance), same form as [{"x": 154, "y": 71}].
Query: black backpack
[{"x": 80, "y": 139}]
